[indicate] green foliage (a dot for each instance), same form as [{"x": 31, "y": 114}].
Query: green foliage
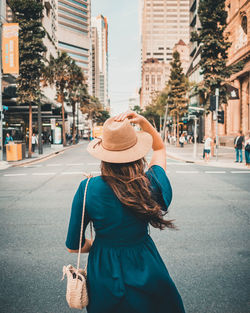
[
  {"x": 137, "y": 109},
  {"x": 57, "y": 73},
  {"x": 101, "y": 117},
  {"x": 178, "y": 87},
  {"x": 28, "y": 13},
  {"x": 214, "y": 45}
]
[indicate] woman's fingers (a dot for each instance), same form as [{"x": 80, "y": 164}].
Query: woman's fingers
[{"x": 124, "y": 115}]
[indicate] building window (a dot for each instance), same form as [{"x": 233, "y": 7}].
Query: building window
[
  {"x": 158, "y": 79},
  {"x": 147, "y": 79},
  {"x": 244, "y": 24},
  {"x": 153, "y": 79}
]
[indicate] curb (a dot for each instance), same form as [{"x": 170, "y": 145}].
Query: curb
[
  {"x": 54, "y": 153},
  {"x": 172, "y": 156}
]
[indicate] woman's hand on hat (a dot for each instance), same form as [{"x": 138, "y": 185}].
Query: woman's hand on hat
[{"x": 132, "y": 116}]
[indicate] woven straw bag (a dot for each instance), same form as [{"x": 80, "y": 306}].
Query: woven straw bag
[{"x": 77, "y": 294}]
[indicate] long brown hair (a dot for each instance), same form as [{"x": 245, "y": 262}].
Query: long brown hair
[{"x": 132, "y": 187}]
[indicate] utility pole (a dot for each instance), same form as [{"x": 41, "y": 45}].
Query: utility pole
[
  {"x": 39, "y": 119},
  {"x": 165, "y": 122},
  {"x": 216, "y": 112},
  {"x": 195, "y": 137}
]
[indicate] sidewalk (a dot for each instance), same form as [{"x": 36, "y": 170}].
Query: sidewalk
[
  {"x": 48, "y": 151},
  {"x": 226, "y": 156}
]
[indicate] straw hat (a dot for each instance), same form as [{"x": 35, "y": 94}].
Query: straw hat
[{"x": 120, "y": 143}]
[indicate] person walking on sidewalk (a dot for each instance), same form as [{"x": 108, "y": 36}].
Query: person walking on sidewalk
[
  {"x": 126, "y": 273},
  {"x": 238, "y": 144},
  {"x": 207, "y": 147},
  {"x": 8, "y": 138},
  {"x": 182, "y": 140},
  {"x": 247, "y": 150},
  {"x": 34, "y": 141}
]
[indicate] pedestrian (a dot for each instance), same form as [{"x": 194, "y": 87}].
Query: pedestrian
[
  {"x": 238, "y": 144},
  {"x": 34, "y": 141},
  {"x": 182, "y": 140},
  {"x": 125, "y": 271},
  {"x": 247, "y": 150},
  {"x": 207, "y": 147},
  {"x": 8, "y": 138}
]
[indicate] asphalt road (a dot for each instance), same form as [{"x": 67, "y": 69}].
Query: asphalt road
[{"x": 208, "y": 257}]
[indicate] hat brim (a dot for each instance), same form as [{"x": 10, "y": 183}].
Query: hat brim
[{"x": 138, "y": 151}]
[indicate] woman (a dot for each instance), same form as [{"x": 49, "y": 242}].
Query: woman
[{"x": 125, "y": 271}]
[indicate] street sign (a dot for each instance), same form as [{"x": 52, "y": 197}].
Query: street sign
[
  {"x": 10, "y": 49},
  {"x": 5, "y": 108},
  {"x": 233, "y": 92}
]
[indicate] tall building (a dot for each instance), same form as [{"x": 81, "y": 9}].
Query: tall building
[
  {"x": 74, "y": 34},
  {"x": 237, "y": 111},
  {"x": 183, "y": 50},
  {"x": 95, "y": 62},
  {"x": 163, "y": 24},
  {"x": 155, "y": 75},
  {"x": 101, "y": 67}
]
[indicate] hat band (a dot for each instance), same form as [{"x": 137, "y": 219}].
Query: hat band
[{"x": 119, "y": 149}]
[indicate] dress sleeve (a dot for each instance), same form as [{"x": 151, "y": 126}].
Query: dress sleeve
[
  {"x": 73, "y": 236},
  {"x": 160, "y": 184}
]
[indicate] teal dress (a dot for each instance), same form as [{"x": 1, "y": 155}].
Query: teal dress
[{"x": 125, "y": 271}]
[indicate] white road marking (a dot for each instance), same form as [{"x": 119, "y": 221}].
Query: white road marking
[
  {"x": 97, "y": 172},
  {"x": 215, "y": 172},
  {"x": 43, "y": 174},
  {"x": 240, "y": 172},
  {"x": 187, "y": 172},
  {"x": 181, "y": 164},
  {"x": 33, "y": 165},
  {"x": 12, "y": 175},
  {"x": 75, "y": 164},
  {"x": 72, "y": 173},
  {"x": 48, "y": 165}
]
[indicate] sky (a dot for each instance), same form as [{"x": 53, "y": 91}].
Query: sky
[{"x": 124, "y": 49}]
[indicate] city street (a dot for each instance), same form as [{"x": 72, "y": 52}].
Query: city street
[{"x": 208, "y": 257}]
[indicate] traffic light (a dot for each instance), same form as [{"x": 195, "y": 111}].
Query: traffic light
[
  {"x": 212, "y": 103},
  {"x": 221, "y": 117}
]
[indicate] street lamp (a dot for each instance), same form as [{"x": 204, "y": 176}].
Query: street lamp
[{"x": 195, "y": 112}]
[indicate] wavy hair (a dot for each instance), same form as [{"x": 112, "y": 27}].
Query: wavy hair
[{"x": 132, "y": 187}]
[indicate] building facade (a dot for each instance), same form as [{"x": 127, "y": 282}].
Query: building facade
[
  {"x": 183, "y": 50},
  {"x": 155, "y": 75},
  {"x": 163, "y": 24},
  {"x": 74, "y": 34},
  {"x": 100, "y": 23},
  {"x": 95, "y": 62}
]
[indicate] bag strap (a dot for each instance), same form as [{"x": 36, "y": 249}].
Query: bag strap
[{"x": 91, "y": 227}]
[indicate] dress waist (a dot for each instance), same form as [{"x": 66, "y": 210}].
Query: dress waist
[{"x": 111, "y": 242}]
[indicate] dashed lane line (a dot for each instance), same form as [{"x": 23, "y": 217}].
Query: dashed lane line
[
  {"x": 74, "y": 164},
  {"x": 72, "y": 173},
  {"x": 187, "y": 172},
  {"x": 43, "y": 174},
  {"x": 52, "y": 165},
  {"x": 240, "y": 172},
  {"x": 215, "y": 172},
  {"x": 14, "y": 175}
]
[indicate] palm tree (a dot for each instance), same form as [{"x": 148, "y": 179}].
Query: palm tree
[
  {"x": 58, "y": 73},
  {"x": 77, "y": 91}
]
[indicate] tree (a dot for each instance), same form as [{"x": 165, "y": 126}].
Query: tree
[
  {"x": 58, "y": 73},
  {"x": 177, "y": 94},
  {"x": 28, "y": 13},
  {"x": 102, "y": 116},
  {"x": 77, "y": 91},
  {"x": 214, "y": 45}
]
